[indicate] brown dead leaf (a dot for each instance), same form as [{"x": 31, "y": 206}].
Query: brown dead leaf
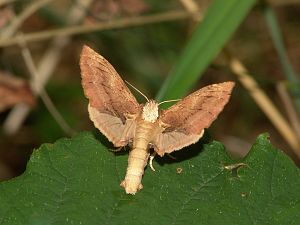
[{"x": 14, "y": 90}]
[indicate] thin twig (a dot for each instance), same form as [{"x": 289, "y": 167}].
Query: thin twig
[
  {"x": 116, "y": 24},
  {"x": 6, "y": 2},
  {"x": 18, "y": 20},
  {"x": 287, "y": 67},
  {"x": 192, "y": 7},
  {"x": 43, "y": 94},
  {"x": 55, "y": 114},
  {"x": 45, "y": 69},
  {"x": 288, "y": 106},
  {"x": 266, "y": 105},
  {"x": 15, "y": 118}
]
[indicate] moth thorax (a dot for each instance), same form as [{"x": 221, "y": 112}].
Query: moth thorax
[{"x": 150, "y": 111}]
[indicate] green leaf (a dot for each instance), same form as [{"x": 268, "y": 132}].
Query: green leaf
[
  {"x": 76, "y": 181},
  {"x": 220, "y": 22}
]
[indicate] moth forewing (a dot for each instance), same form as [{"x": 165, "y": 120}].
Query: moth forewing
[
  {"x": 116, "y": 113},
  {"x": 188, "y": 118}
]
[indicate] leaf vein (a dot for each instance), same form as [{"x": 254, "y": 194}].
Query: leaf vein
[{"x": 192, "y": 194}]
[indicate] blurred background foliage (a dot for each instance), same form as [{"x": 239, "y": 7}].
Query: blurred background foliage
[{"x": 267, "y": 42}]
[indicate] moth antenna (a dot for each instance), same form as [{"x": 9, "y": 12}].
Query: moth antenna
[
  {"x": 137, "y": 90},
  {"x": 117, "y": 149},
  {"x": 172, "y": 100}
]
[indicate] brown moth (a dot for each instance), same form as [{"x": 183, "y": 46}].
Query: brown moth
[{"x": 118, "y": 115}]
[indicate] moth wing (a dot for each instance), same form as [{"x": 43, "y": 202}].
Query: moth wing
[
  {"x": 112, "y": 107},
  {"x": 183, "y": 123}
]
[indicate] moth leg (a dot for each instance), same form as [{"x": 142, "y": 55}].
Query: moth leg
[
  {"x": 172, "y": 157},
  {"x": 151, "y": 161},
  {"x": 129, "y": 143},
  {"x": 117, "y": 149},
  {"x": 151, "y": 146}
]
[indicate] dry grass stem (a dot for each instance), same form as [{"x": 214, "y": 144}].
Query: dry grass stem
[
  {"x": 18, "y": 20},
  {"x": 266, "y": 105},
  {"x": 41, "y": 91},
  {"x": 6, "y": 2},
  {"x": 116, "y": 24},
  {"x": 192, "y": 7},
  {"x": 55, "y": 114},
  {"x": 257, "y": 94},
  {"x": 289, "y": 107},
  {"x": 45, "y": 69},
  {"x": 15, "y": 118}
]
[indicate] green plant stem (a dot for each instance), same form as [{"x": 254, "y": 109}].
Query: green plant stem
[
  {"x": 210, "y": 36},
  {"x": 288, "y": 70}
]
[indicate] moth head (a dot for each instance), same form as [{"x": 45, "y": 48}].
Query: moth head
[{"x": 150, "y": 111}]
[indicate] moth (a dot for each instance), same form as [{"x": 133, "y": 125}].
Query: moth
[{"x": 117, "y": 114}]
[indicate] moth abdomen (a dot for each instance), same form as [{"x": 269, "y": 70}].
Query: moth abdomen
[
  {"x": 138, "y": 157},
  {"x": 137, "y": 161}
]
